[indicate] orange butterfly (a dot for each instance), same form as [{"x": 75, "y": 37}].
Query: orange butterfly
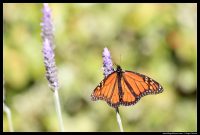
[{"x": 125, "y": 88}]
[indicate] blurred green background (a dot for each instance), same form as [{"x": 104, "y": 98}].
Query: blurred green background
[{"x": 158, "y": 40}]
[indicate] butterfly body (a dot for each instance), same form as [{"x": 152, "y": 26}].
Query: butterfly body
[{"x": 125, "y": 88}]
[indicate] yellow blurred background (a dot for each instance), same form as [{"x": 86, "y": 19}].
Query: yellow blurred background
[{"x": 158, "y": 40}]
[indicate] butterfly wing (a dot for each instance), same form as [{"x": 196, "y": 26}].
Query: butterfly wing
[
  {"x": 108, "y": 90},
  {"x": 135, "y": 85},
  {"x": 125, "y": 88}
]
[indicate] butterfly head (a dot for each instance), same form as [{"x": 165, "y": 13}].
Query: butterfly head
[{"x": 119, "y": 69}]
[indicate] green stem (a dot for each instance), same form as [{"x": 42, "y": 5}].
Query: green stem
[
  {"x": 58, "y": 110},
  {"x": 8, "y": 112},
  {"x": 119, "y": 120}
]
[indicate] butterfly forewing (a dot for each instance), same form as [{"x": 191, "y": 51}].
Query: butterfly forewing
[
  {"x": 141, "y": 84},
  {"x": 108, "y": 90}
]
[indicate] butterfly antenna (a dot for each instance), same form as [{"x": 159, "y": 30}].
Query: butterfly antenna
[
  {"x": 114, "y": 64},
  {"x": 120, "y": 59}
]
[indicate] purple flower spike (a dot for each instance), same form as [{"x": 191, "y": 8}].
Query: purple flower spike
[
  {"x": 107, "y": 62},
  {"x": 47, "y": 36},
  {"x": 49, "y": 61},
  {"x": 47, "y": 26}
]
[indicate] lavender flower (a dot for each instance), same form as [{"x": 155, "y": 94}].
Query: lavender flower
[
  {"x": 107, "y": 62},
  {"x": 47, "y": 36},
  {"x": 47, "y": 26},
  {"x": 49, "y": 61}
]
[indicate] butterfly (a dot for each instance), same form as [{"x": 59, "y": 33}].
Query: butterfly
[{"x": 125, "y": 88}]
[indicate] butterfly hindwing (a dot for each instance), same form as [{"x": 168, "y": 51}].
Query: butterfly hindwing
[{"x": 128, "y": 97}]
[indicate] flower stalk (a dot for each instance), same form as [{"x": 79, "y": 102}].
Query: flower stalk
[
  {"x": 119, "y": 121},
  {"x": 6, "y": 109},
  {"x": 49, "y": 60}
]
